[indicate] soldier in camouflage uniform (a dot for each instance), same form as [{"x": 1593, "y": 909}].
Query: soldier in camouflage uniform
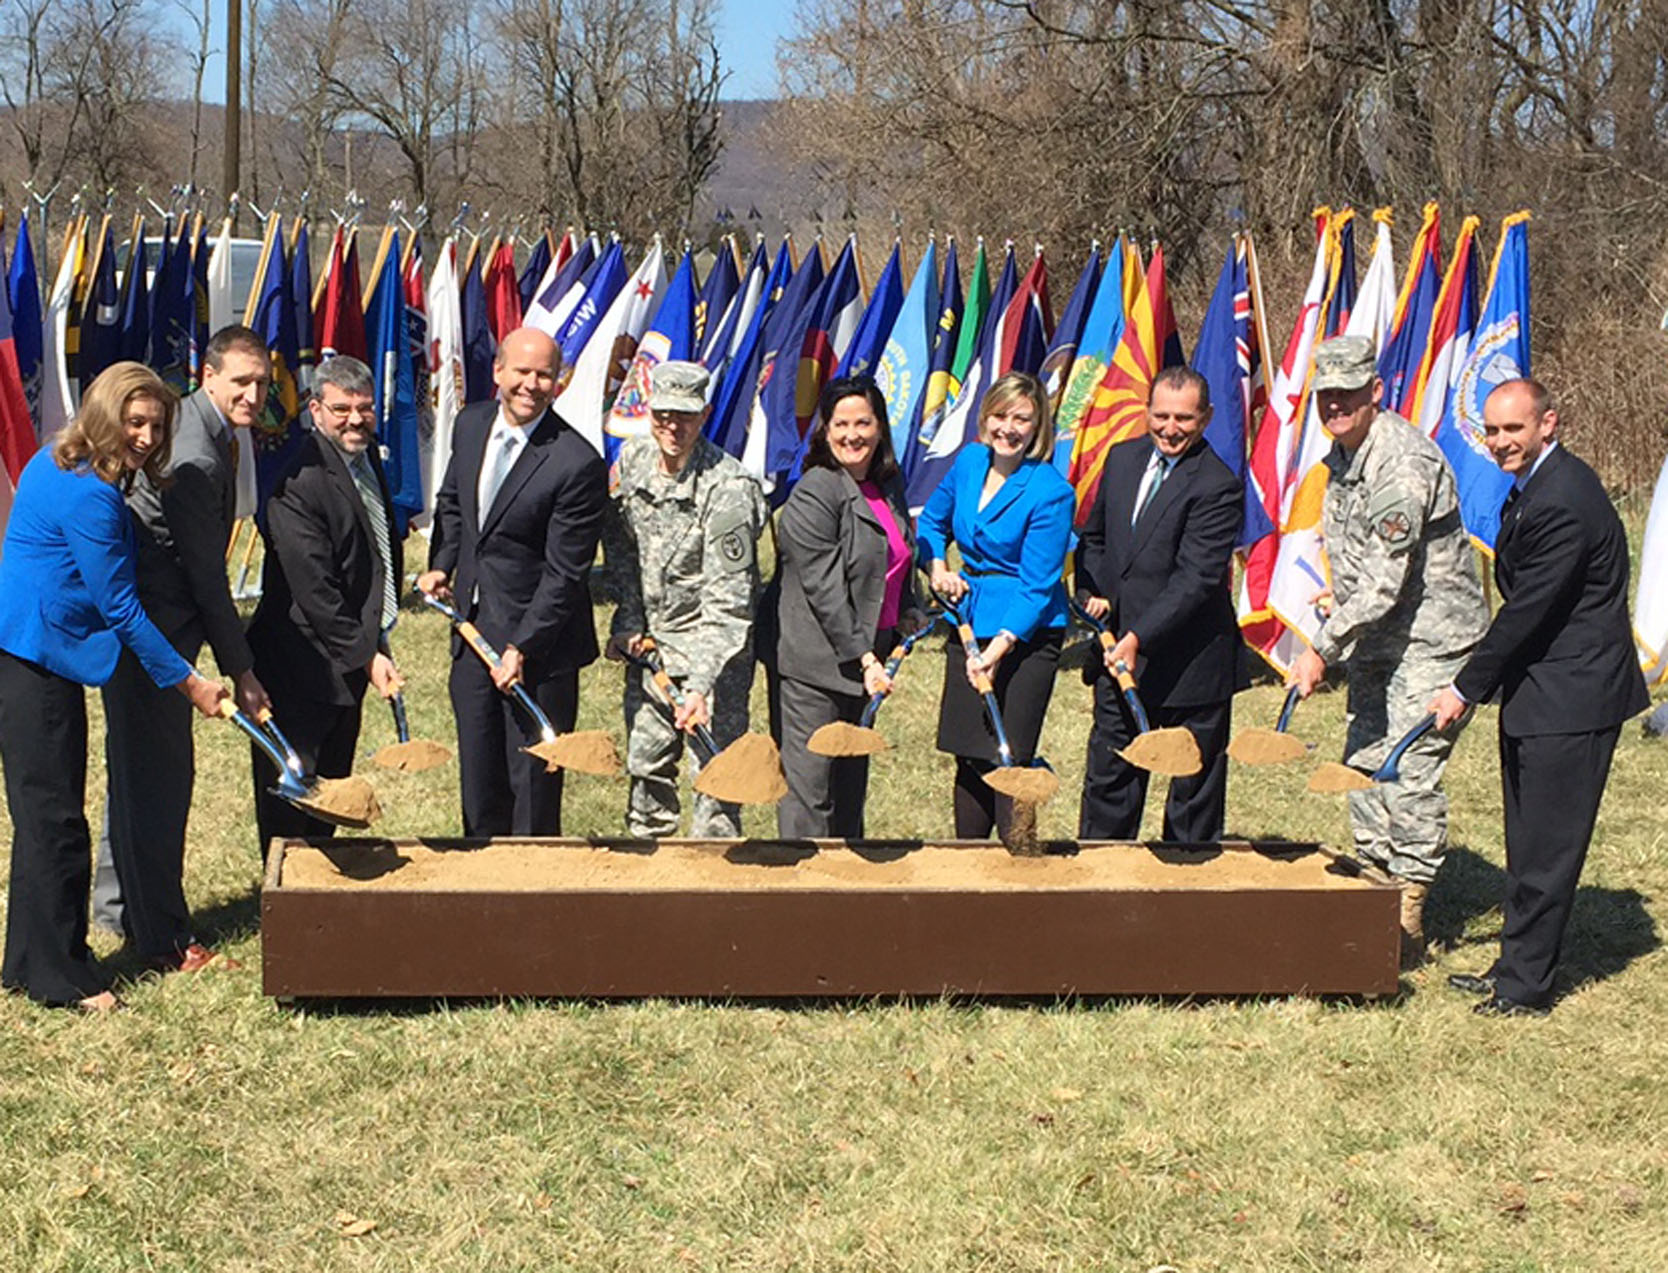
[
  {"x": 679, "y": 541},
  {"x": 1406, "y": 607}
]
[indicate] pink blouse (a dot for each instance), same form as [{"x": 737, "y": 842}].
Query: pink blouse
[{"x": 897, "y": 554}]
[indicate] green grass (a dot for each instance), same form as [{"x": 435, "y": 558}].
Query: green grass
[{"x": 207, "y": 1128}]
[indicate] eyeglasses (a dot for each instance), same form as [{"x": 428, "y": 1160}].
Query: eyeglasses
[{"x": 344, "y": 411}]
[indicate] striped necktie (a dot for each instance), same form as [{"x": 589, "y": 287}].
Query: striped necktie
[{"x": 370, "y": 494}]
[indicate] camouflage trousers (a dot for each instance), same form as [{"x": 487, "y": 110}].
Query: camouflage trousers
[
  {"x": 1399, "y": 826},
  {"x": 654, "y": 748}
]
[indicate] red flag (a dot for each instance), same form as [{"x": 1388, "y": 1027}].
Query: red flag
[
  {"x": 502, "y": 293},
  {"x": 17, "y": 429},
  {"x": 339, "y": 317}
]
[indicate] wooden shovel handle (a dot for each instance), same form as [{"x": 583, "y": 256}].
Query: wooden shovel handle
[{"x": 970, "y": 643}]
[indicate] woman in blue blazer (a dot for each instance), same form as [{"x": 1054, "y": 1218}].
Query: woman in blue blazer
[
  {"x": 1009, "y": 512},
  {"x": 68, "y": 603}
]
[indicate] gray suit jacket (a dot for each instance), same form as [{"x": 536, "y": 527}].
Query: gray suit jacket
[
  {"x": 183, "y": 528},
  {"x": 833, "y": 578}
]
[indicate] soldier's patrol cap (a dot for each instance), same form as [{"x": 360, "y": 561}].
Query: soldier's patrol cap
[
  {"x": 1344, "y": 362},
  {"x": 678, "y": 386}
]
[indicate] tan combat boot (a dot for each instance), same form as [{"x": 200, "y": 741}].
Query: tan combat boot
[{"x": 1413, "y": 923}]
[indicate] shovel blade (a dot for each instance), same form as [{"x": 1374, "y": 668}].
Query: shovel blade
[
  {"x": 1172, "y": 752},
  {"x": 411, "y": 757},
  {"x": 842, "y": 738},
  {"x": 1266, "y": 747},
  {"x": 1330, "y": 778},
  {"x": 1031, "y": 786},
  {"x": 589, "y": 751},
  {"x": 343, "y": 802},
  {"x": 748, "y": 771}
]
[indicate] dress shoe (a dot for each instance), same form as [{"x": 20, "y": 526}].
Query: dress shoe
[
  {"x": 1495, "y": 1006},
  {"x": 97, "y": 1005},
  {"x": 194, "y": 958},
  {"x": 1472, "y": 983}
]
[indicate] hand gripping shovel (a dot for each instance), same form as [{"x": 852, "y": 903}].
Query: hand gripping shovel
[
  {"x": 408, "y": 755},
  {"x": 841, "y": 737},
  {"x": 1270, "y": 746},
  {"x": 342, "y": 802},
  {"x": 588, "y": 751},
  {"x": 748, "y": 771},
  {"x": 1331, "y": 777},
  {"x": 1171, "y": 751}
]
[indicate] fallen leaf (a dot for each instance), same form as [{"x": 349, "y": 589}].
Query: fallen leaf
[
  {"x": 1514, "y": 1199},
  {"x": 348, "y": 1226},
  {"x": 1067, "y": 1094},
  {"x": 1540, "y": 1176}
]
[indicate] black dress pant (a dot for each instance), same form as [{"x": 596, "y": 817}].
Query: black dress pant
[
  {"x": 506, "y": 791},
  {"x": 1553, "y": 785},
  {"x": 1115, "y": 791},
  {"x": 324, "y": 736},
  {"x": 43, "y": 746}
]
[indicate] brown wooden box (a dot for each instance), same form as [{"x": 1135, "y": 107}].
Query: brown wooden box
[{"x": 352, "y": 918}]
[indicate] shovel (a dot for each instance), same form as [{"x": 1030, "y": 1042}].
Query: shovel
[
  {"x": 1270, "y": 746},
  {"x": 748, "y": 771},
  {"x": 588, "y": 751},
  {"x": 842, "y": 738},
  {"x": 1172, "y": 751},
  {"x": 1031, "y": 784},
  {"x": 1331, "y": 777},
  {"x": 406, "y": 755},
  {"x": 342, "y": 802}
]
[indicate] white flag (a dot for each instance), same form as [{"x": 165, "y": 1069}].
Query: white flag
[
  {"x": 601, "y": 365},
  {"x": 58, "y": 397},
  {"x": 446, "y": 363}
]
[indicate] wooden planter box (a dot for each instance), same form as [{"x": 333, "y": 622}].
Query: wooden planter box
[{"x": 750, "y": 918}]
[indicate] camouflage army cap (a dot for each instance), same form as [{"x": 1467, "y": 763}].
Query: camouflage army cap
[
  {"x": 1344, "y": 362},
  {"x": 678, "y": 386}
]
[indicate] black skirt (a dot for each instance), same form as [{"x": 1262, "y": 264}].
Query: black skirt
[{"x": 1024, "y": 682}]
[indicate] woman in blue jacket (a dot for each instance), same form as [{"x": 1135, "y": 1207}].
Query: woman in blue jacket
[
  {"x": 68, "y": 602},
  {"x": 1009, "y": 512}
]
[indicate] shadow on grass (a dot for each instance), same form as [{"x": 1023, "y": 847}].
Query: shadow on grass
[{"x": 1609, "y": 928}]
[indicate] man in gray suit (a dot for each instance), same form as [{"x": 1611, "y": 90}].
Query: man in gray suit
[{"x": 183, "y": 527}]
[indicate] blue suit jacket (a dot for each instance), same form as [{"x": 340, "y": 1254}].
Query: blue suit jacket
[
  {"x": 1012, "y": 550},
  {"x": 68, "y": 600}
]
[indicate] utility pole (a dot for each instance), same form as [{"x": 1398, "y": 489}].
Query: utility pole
[{"x": 230, "y": 178}]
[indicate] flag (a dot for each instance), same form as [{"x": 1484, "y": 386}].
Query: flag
[
  {"x": 222, "y": 305},
  {"x": 475, "y": 334},
  {"x": 1375, "y": 307},
  {"x": 1410, "y": 326},
  {"x": 502, "y": 297},
  {"x": 610, "y": 346},
  {"x": 1028, "y": 323},
  {"x": 415, "y": 295},
  {"x": 1118, "y": 411},
  {"x": 1340, "y": 292},
  {"x": 532, "y": 274},
  {"x": 834, "y": 323},
  {"x": 1103, "y": 328},
  {"x": 720, "y": 287},
  {"x": 1062, "y": 350},
  {"x": 936, "y": 388},
  {"x": 901, "y": 371},
  {"x": 732, "y": 401},
  {"x": 18, "y": 442},
  {"x": 172, "y": 312},
  {"x": 197, "y": 285},
  {"x": 23, "y": 291},
  {"x": 446, "y": 377},
  {"x": 772, "y": 424},
  {"x": 547, "y": 312},
  {"x": 599, "y": 288},
  {"x": 58, "y": 399},
  {"x": 724, "y": 331},
  {"x": 874, "y": 330},
  {"x": 950, "y": 365},
  {"x": 339, "y": 314},
  {"x": 395, "y": 389},
  {"x": 301, "y": 308},
  {"x": 669, "y": 338},
  {"x": 1499, "y": 352},
  {"x": 1223, "y": 357},
  {"x": 101, "y": 312},
  {"x": 278, "y": 430},
  {"x": 1452, "y": 323},
  {"x": 134, "y": 335},
  {"x": 1650, "y": 611}
]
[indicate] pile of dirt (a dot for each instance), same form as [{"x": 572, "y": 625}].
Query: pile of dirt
[
  {"x": 1172, "y": 752},
  {"x": 1266, "y": 747},
  {"x": 748, "y": 771},
  {"x": 842, "y": 738},
  {"x": 348, "y": 802},
  {"x": 1021, "y": 837},
  {"x": 1330, "y": 778},
  {"x": 412, "y": 757},
  {"x": 589, "y": 751},
  {"x": 1029, "y": 786}
]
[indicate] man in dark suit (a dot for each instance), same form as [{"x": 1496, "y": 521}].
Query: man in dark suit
[
  {"x": 182, "y": 527},
  {"x": 329, "y": 589},
  {"x": 1560, "y": 652},
  {"x": 1154, "y": 561},
  {"x": 516, "y": 524}
]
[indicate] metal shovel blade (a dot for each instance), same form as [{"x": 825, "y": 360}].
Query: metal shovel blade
[
  {"x": 1330, "y": 778},
  {"x": 1173, "y": 752},
  {"x": 587, "y": 751},
  {"x": 415, "y": 755},
  {"x": 748, "y": 771},
  {"x": 1266, "y": 747},
  {"x": 842, "y": 738},
  {"x": 1026, "y": 784}
]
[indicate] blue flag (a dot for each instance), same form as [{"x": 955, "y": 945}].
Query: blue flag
[
  {"x": 721, "y": 337},
  {"x": 670, "y": 338},
  {"x": 716, "y": 293},
  {"x": 1499, "y": 352},
  {"x": 278, "y": 430},
  {"x": 733, "y": 407},
  {"x": 135, "y": 342},
  {"x": 24, "y": 289},
  {"x": 301, "y": 310},
  {"x": 101, "y": 315},
  {"x": 538, "y": 261},
  {"x": 906, "y": 360},
  {"x": 874, "y": 329},
  {"x": 478, "y": 345},
  {"x": 172, "y": 312},
  {"x": 776, "y": 409},
  {"x": 936, "y": 385},
  {"x": 388, "y": 341},
  {"x": 606, "y": 279}
]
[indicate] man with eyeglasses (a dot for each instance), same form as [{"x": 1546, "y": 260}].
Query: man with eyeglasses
[
  {"x": 330, "y": 588},
  {"x": 182, "y": 526},
  {"x": 1406, "y": 607}
]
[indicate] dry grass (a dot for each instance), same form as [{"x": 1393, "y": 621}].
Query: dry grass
[{"x": 206, "y": 1128}]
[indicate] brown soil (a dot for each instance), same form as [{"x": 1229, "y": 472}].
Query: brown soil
[
  {"x": 748, "y": 771},
  {"x": 1330, "y": 778},
  {"x": 722, "y": 866},
  {"x": 1266, "y": 747},
  {"x": 842, "y": 738},
  {"x": 1022, "y": 830},
  {"x": 348, "y": 802},
  {"x": 1034, "y": 786},
  {"x": 589, "y": 751},
  {"x": 413, "y": 757},
  {"x": 1173, "y": 752}
]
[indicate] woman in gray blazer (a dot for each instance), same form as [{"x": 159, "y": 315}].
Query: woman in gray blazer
[{"x": 847, "y": 594}]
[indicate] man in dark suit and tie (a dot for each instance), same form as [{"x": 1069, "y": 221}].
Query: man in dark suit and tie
[
  {"x": 1154, "y": 562},
  {"x": 329, "y": 590},
  {"x": 1560, "y": 652},
  {"x": 182, "y": 527},
  {"x": 516, "y": 524}
]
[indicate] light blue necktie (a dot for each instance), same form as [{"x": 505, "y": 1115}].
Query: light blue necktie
[{"x": 1157, "y": 480}]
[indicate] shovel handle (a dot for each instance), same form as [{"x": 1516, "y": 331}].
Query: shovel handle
[
  {"x": 259, "y": 736},
  {"x": 402, "y": 727},
  {"x": 1390, "y": 770},
  {"x": 650, "y": 662},
  {"x": 1126, "y": 682},
  {"x": 1293, "y": 697},
  {"x": 483, "y": 648},
  {"x": 892, "y": 666}
]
